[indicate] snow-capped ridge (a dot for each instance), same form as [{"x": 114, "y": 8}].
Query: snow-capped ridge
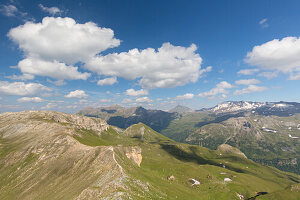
[
  {"x": 260, "y": 107},
  {"x": 233, "y": 106}
]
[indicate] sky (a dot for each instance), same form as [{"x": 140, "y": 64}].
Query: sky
[{"x": 67, "y": 55}]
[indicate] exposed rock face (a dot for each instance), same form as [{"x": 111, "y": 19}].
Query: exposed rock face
[{"x": 134, "y": 154}]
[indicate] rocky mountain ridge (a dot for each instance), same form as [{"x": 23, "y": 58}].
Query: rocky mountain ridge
[{"x": 264, "y": 108}]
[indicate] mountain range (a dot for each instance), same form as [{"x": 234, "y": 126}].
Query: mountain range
[
  {"x": 267, "y": 132},
  {"x": 52, "y": 155}
]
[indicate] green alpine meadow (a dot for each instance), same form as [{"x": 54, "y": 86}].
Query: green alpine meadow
[{"x": 53, "y": 155}]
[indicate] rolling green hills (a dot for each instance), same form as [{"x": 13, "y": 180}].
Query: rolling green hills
[
  {"x": 269, "y": 140},
  {"x": 268, "y": 133},
  {"x": 50, "y": 155}
]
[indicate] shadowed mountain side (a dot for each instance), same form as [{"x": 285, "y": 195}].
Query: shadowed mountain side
[
  {"x": 124, "y": 117},
  {"x": 218, "y": 119},
  {"x": 192, "y": 156},
  {"x": 156, "y": 119}
]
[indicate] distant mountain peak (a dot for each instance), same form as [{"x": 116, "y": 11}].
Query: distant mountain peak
[
  {"x": 180, "y": 109},
  {"x": 233, "y": 106},
  {"x": 140, "y": 110},
  {"x": 265, "y": 108}
]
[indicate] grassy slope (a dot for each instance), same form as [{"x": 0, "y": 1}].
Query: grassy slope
[
  {"x": 268, "y": 150},
  {"x": 163, "y": 157},
  {"x": 291, "y": 192},
  {"x": 180, "y": 128}
]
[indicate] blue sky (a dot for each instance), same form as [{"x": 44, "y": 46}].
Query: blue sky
[{"x": 66, "y": 55}]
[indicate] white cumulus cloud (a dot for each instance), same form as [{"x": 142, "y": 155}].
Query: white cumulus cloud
[
  {"x": 108, "y": 81},
  {"x": 250, "y": 89},
  {"x": 22, "y": 77},
  {"x": 9, "y": 10},
  {"x": 169, "y": 66},
  {"x": 57, "y": 83},
  {"x": 247, "y": 71},
  {"x": 49, "y": 106},
  {"x": 50, "y": 10},
  {"x": 143, "y": 100},
  {"x": 185, "y": 96},
  {"x": 247, "y": 82},
  {"x": 277, "y": 55},
  {"x": 57, "y": 70},
  {"x": 62, "y": 39},
  {"x": 269, "y": 75},
  {"x": 54, "y": 45},
  {"x": 21, "y": 88},
  {"x": 77, "y": 94},
  {"x": 205, "y": 70},
  {"x": 30, "y": 99},
  {"x": 295, "y": 76},
  {"x": 221, "y": 88},
  {"x": 132, "y": 92},
  {"x": 126, "y": 100},
  {"x": 13, "y": 11}
]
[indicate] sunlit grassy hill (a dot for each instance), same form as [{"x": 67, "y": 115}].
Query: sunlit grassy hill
[{"x": 51, "y": 155}]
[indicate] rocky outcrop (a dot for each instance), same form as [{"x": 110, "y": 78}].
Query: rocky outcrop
[
  {"x": 288, "y": 162},
  {"x": 134, "y": 154},
  {"x": 194, "y": 182},
  {"x": 171, "y": 178},
  {"x": 32, "y": 117}
]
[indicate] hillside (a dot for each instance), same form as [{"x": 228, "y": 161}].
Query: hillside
[
  {"x": 51, "y": 155},
  {"x": 270, "y": 140},
  {"x": 124, "y": 117},
  {"x": 244, "y": 125}
]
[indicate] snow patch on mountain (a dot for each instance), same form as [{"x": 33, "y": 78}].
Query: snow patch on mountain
[{"x": 233, "y": 106}]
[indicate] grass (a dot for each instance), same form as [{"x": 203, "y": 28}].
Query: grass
[
  {"x": 268, "y": 148},
  {"x": 158, "y": 164},
  {"x": 162, "y": 157},
  {"x": 189, "y": 161},
  {"x": 109, "y": 137}
]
